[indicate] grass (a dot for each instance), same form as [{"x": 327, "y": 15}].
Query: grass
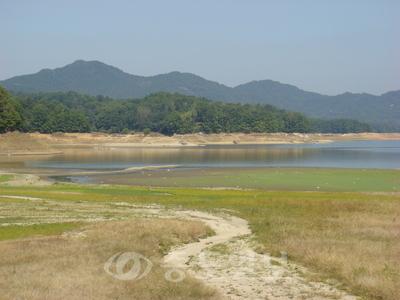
[
  {"x": 352, "y": 237},
  {"x": 72, "y": 267},
  {"x": 275, "y": 262},
  {"x": 5, "y": 178},
  {"x": 270, "y": 178},
  {"x": 20, "y": 141},
  {"x": 221, "y": 249},
  {"x": 17, "y": 232}
]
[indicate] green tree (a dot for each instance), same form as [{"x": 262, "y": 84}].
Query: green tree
[
  {"x": 10, "y": 113},
  {"x": 171, "y": 123},
  {"x": 39, "y": 116}
]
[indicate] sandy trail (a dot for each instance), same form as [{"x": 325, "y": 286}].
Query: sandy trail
[
  {"x": 225, "y": 227},
  {"x": 240, "y": 273},
  {"x": 237, "y": 271}
]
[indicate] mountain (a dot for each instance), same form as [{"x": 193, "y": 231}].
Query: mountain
[
  {"x": 97, "y": 78},
  {"x": 384, "y": 109}
]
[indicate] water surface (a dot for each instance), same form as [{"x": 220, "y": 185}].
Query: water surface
[{"x": 361, "y": 154}]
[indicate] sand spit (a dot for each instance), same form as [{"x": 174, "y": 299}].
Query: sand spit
[{"x": 124, "y": 171}]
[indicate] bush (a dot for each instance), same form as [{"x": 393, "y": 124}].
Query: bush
[{"x": 146, "y": 131}]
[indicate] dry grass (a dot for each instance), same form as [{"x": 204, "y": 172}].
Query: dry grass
[
  {"x": 351, "y": 237},
  {"x": 357, "y": 242},
  {"x": 20, "y": 141},
  {"x": 72, "y": 266}
]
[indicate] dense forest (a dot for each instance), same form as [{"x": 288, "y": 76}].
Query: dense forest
[{"x": 163, "y": 112}]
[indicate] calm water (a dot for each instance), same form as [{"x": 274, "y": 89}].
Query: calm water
[{"x": 363, "y": 154}]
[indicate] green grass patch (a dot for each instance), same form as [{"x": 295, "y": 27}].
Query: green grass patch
[
  {"x": 275, "y": 262},
  {"x": 221, "y": 249},
  {"x": 271, "y": 178},
  {"x": 17, "y": 232},
  {"x": 4, "y": 178}
]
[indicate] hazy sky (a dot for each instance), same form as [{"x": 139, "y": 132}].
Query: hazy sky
[{"x": 324, "y": 46}]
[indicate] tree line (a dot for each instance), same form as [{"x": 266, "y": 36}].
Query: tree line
[
  {"x": 341, "y": 126},
  {"x": 160, "y": 112}
]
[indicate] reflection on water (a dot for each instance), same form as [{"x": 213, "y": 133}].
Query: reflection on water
[{"x": 366, "y": 154}]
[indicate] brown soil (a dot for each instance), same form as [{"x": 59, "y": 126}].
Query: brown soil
[
  {"x": 16, "y": 143},
  {"x": 103, "y": 140}
]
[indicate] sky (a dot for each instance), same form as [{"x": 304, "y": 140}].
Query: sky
[{"x": 324, "y": 46}]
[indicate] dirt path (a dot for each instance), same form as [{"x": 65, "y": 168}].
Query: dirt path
[
  {"x": 238, "y": 272},
  {"x": 226, "y": 227},
  {"x": 227, "y": 262}
]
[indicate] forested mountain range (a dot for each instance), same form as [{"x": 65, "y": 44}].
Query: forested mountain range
[{"x": 96, "y": 78}]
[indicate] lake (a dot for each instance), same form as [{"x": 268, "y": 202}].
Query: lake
[{"x": 360, "y": 154}]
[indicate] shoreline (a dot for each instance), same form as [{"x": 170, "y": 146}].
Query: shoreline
[
  {"x": 29, "y": 152},
  {"x": 133, "y": 170},
  {"x": 53, "y": 144}
]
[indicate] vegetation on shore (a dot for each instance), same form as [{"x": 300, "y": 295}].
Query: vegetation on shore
[
  {"x": 168, "y": 114},
  {"x": 10, "y": 113},
  {"x": 351, "y": 237}
]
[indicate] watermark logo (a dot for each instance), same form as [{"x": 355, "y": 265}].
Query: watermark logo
[
  {"x": 128, "y": 266},
  {"x": 175, "y": 262},
  {"x": 119, "y": 263},
  {"x": 135, "y": 266},
  {"x": 175, "y": 274}
]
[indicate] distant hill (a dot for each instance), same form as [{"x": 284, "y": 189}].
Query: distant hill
[
  {"x": 97, "y": 78},
  {"x": 384, "y": 109}
]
